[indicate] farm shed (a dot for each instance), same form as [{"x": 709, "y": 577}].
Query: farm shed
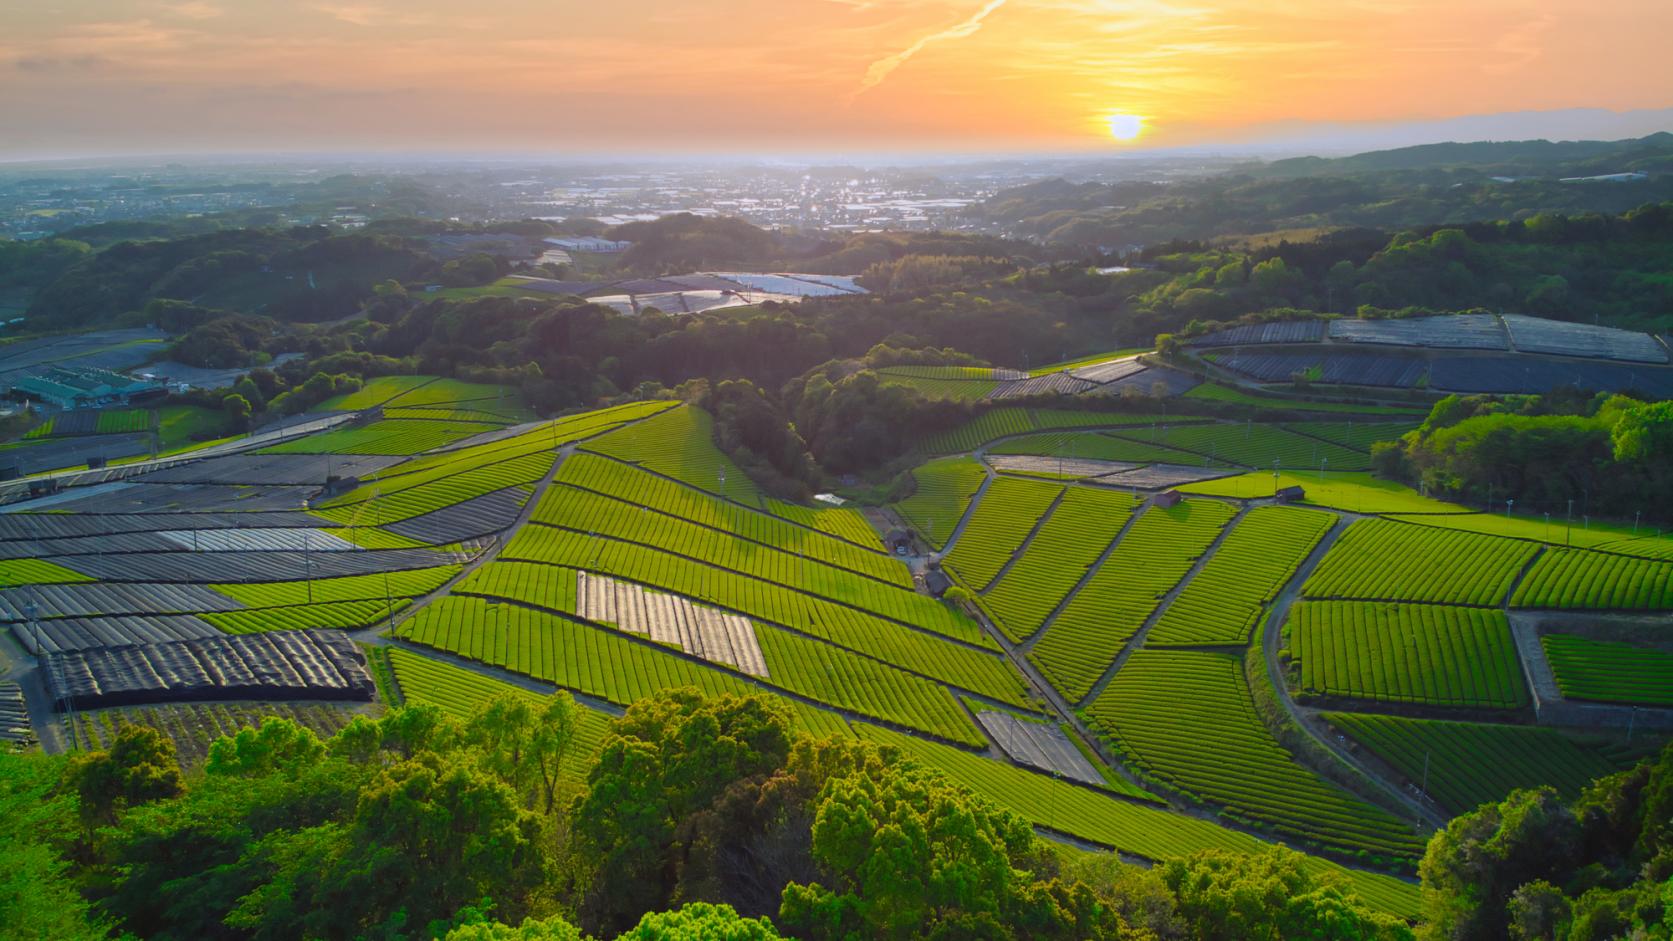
[
  {"x": 1167, "y": 499},
  {"x": 1290, "y": 495},
  {"x": 937, "y": 582}
]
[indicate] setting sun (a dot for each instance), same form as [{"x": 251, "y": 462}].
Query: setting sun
[{"x": 1125, "y": 127}]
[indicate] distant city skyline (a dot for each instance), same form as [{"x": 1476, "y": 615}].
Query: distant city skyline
[{"x": 112, "y": 77}]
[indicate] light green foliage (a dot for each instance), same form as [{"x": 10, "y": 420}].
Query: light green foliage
[
  {"x": 1252, "y": 445},
  {"x": 1358, "y": 492},
  {"x": 1467, "y": 764},
  {"x": 138, "y": 768},
  {"x": 1133, "y": 828},
  {"x": 594, "y": 661},
  {"x": 622, "y": 482},
  {"x": 1644, "y": 433},
  {"x": 407, "y": 584},
  {"x": 1573, "y": 578},
  {"x": 1150, "y": 559},
  {"x": 1097, "y": 446},
  {"x": 596, "y": 526},
  {"x": 994, "y": 423},
  {"x": 1358, "y": 436},
  {"x": 452, "y": 392},
  {"x": 1218, "y": 393},
  {"x": 701, "y": 921},
  {"x": 1077, "y": 532},
  {"x": 1555, "y": 530},
  {"x": 463, "y": 693},
  {"x": 391, "y": 437},
  {"x": 439, "y": 413},
  {"x": 917, "y": 651},
  {"x": 963, "y": 383},
  {"x": 375, "y": 392},
  {"x": 545, "y": 586},
  {"x": 554, "y": 928},
  {"x": 1411, "y": 653},
  {"x": 828, "y": 674},
  {"x": 1610, "y": 671},
  {"x": 839, "y": 521},
  {"x": 755, "y": 597},
  {"x": 438, "y": 480},
  {"x": 1004, "y": 516},
  {"x": 38, "y": 898},
  {"x": 123, "y": 421},
  {"x": 408, "y": 498},
  {"x": 1382, "y": 560},
  {"x": 1258, "y": 556},
  {"x": 909, "y": 855},
  {"x": 669, "y": 756},
  {"x": 37, "y": 572},
  {"x": 1012, "y": 420},
  {"x": 341, "y": 614},
  {"x": 184, "y": 427},
  {"x": 943, "y": 490},
  {"x": 679, "y": 443},
  {"x": 1273, "y": 896},
  {"x": 1186, "y": 719}
]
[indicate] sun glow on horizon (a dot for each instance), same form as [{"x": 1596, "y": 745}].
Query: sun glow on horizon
[{"x": 1125, "y": 127}]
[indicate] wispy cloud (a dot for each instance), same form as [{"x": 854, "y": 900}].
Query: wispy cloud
[
  {"x": 880, "y": 69},
  {"x": 357, "y": 14},
  {"x": 1520, "y": 46},
  {"x": 194, "y": 10}
]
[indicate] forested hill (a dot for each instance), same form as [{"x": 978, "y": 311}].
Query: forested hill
[
  {"x": 1415, "y": 186},
  {"x": 1653, "y": 153}
]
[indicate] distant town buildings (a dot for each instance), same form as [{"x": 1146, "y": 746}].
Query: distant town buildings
[{"x": 591, "y": 244}]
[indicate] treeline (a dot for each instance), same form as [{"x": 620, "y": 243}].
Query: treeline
[
  {"x": 701, "y": 819},
  {"x": 1535, "y": 867},
  {"x": 682, "y": 243},
  {"x": 1612, "y": 269},
  {"x": 1609, "y": 455},
  {"x": 1443, "y": 185}
]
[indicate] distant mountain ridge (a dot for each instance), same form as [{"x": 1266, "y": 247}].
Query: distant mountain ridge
[{"x": 1652, "y": 153}]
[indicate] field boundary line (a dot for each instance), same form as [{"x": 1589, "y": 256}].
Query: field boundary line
[
  {"x": 504, "y": 538},
  {"x": 722, "y": 668},
  {"x": 753, "y": 619},
  {"x": 1143, "y": 633},
  {"x": 931, "y": 632},
  {"x": 1027, "y": 643},
  {"x": 711, "y": 494},
  {"x": 1269, "y": 632},
  {"x": 1027, "y": 540},
  {"x": 727, "y": 532},
  {"x": 990, "y": 475}
]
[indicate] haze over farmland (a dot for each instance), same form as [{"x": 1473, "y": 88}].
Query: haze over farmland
[{"x": 847, "y": 469}]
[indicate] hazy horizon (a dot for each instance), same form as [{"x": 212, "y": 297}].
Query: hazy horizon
[{"x": 964, "y": 77}]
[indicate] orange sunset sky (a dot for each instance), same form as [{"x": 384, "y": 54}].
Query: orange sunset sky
[{"x": 648, "y": 76}]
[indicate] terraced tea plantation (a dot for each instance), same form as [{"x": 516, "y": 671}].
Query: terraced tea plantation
[
  {"x": 1185, "y": 719},
  {"x": 1222, "y": 670},
  {"x": 1610, "y": 671},
  {"x": 1221, "y": 604},
  {"x": 1465, "y": 764},
  {"x": 1427, "y": 655},
  {"x": 1081, "y": 643},
  {"x": 1384, "y": 561}
]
